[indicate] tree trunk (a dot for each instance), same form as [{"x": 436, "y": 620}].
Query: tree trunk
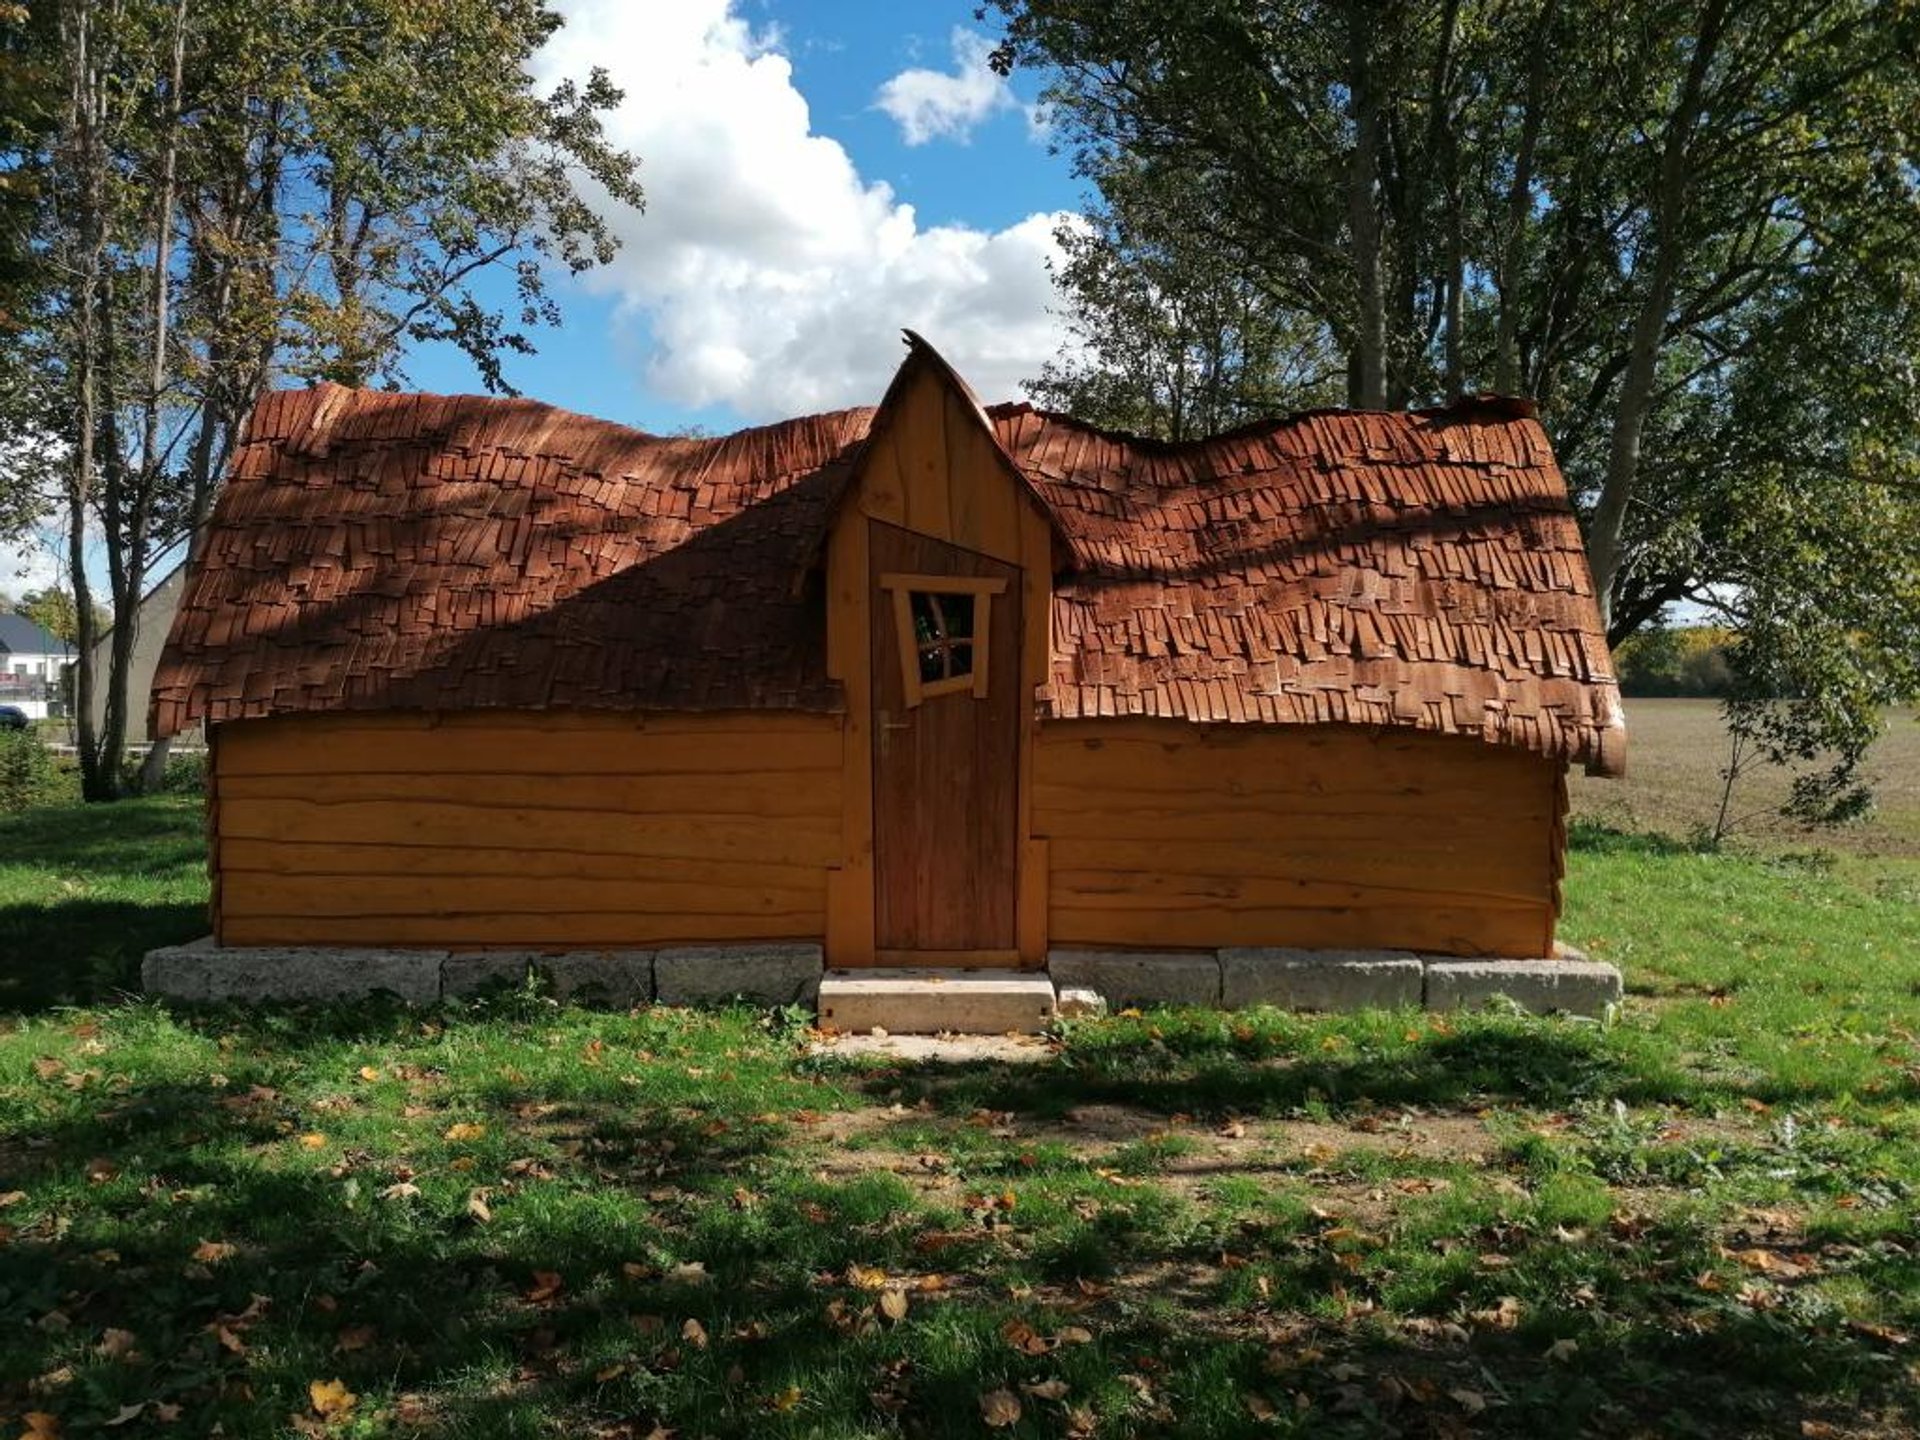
[
  {"x": 83, "y": 152},
  {"x": 1506, "y": 345},
  {"x": 1367, "y": 375},
  {"x": 1649, "y": 329}
]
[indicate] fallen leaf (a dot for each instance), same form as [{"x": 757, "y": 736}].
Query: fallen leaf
[
  {"x": 101, "y": 1170},
  {"x": 1563, "y": 1350},
  {"x": 465, "y": 1130},
  {"x": 1504, "y": 1315},
  {"x": 1055, "y": 1389},
  {"x": 330, "y": 1398},
  {"x": 893, "y": 1304},
  {"x": 12, "y": 1197},
  {"x": 1000, "y": 1408},
  {"x": 694, "y": 1333},
  {"x": 690, "y": 1272},
  {"x": 369, "y": 1073},
  {"x": 314, "y": 1140},
  {"x": 355, "y": 1337},
  {"x": 546, "y": 1285},
  {"x": 405, "y": 1190},
  {"x": 1073, "y": 1335},
  {"x": 212, "y": 1252},
  {"x": 786, "y": 1399},
  {"x": 126, "y": 1413},
  {"x": 1259, "y": 1407},
  {"x": 41, "y": 1426},
  {"x": 117, "y": 1345},
  {"x": 477, "y": 1207},
  {"x": 1471, "y": 1401}
]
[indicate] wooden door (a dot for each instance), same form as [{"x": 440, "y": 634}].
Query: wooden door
[{"x": 946, "y": 751}]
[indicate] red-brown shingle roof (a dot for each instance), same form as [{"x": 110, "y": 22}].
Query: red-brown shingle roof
[{"x": 377, "y": 551}]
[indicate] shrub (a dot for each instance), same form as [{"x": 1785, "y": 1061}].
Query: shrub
[{"x": 26, "y": 770}]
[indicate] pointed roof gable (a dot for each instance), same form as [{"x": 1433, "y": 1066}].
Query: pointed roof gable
[{"x": 923, "y": 359}]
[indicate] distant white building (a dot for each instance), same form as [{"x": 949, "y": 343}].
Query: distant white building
[
  {"x": 156, "y": 619},
  {"x": 31, "y": 659}
]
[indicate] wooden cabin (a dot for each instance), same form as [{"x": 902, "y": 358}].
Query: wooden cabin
[{"x": 926, "y": 683}]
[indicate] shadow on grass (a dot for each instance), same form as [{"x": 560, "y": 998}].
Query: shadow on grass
[
  {"x": 1201, "y": 1073},
  {"x": 1594, "y": 837},
  {"x": 76, "y": 952},
  {"x": 88, "y": 890},
  {"x": 563, "y": 1310}
]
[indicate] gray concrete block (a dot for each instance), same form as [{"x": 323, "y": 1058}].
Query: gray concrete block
[
  {"x": 206, "y": 972},
  {"x": 599, "y": 977},
  {"x": 1139, "y": 977},
  {"x": 935, "y": 1002},
  {"x": 1570, "y": 987},
  {"x": 474, "y": 972},
  {"x": 1331, "y": 980},
  {"x": 713, "y": 974},
  {"x": 1079, "y": 1004}
]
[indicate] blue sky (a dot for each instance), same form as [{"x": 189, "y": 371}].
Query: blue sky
[{"x": 819, "y": 175}]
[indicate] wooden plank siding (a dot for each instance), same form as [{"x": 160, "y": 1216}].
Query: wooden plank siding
[
  {"x": 1163, "y": 834},
  {"x": 549, "y": 829}
]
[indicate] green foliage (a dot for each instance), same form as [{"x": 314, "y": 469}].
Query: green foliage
[
  {"x": 1691, "y": 232},
  {"x": 26, "y": 770},
  {"x": 229, "y": 195},
  {"x": 1665, "y": 662}
]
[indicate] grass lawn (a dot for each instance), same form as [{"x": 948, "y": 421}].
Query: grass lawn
[{"x": 516, "y": 1219}]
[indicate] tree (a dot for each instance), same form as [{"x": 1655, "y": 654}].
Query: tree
[
  {"x": 1690, "y": 230},
  {"x": 235, "y": 193}
]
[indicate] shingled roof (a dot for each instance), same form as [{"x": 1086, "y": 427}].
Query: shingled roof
[{"x": 379, "y": 551}]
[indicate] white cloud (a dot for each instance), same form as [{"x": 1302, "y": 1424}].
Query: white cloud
[
  {"x": 771, "y": 277},
  {"x": 935, "y": 105}
]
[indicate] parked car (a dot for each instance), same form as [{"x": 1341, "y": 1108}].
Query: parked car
[{"x": 12, "y": 717}]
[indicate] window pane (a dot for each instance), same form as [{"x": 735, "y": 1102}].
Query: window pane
[
  {"x": 933, "y": 664},
  {"x": 958, "y": 613},
  {"x": 926, "y": 617},
  {"x": 960, "y": 658}
]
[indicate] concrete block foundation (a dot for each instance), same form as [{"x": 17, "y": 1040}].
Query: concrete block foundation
[
  {"x": 1077, "y": 983},
  {"x": 206, "y": 972},
  {"x": 1331, "y": 980},
  {"x": 1544, "y": 987},
  {"x": 619, "y": 978},
  {"x": 1139, "y": 977},
  {"x": 714, "y": 974}
]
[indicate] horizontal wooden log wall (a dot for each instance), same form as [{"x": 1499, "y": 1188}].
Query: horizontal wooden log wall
[
  {"x": 538, "y": 830},
  {"x": 1164, "y": 834}
]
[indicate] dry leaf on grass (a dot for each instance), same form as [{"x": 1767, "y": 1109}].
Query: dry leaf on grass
[
  {"x": 118, "y": 1345},
  {"x": 330, "y": 1398},
  {"x": 464, "y": 1130},
  {"x": 1000, "y": 1408}
]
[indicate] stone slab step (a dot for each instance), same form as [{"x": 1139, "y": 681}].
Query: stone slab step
[{"x": 930, "y": 1002}]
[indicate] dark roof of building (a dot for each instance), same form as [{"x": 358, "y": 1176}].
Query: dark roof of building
[
  {"x": 21, "y": 636},
  {"x": 373, "y": 550}
]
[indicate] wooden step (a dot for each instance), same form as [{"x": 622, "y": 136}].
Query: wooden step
[{"x": 930, "y": 1001}]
